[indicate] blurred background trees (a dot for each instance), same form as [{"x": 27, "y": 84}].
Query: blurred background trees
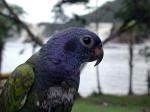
[
  {"x": 10, "y": 22},
  {"x": 7, "y": 24},
  {"x": 135, "y": 15}
]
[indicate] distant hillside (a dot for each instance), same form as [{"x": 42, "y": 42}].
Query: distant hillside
[{"x": 104, "y": 13}]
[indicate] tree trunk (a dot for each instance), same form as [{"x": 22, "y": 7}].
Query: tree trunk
[
  {"x": 4, "y": 76},
  {"x": 130, "y": 63},
  {"x": 148, "y": 81},
  {"x": 97, "y": 68},
  {"x": 98, "y": 80},
  {"x": 1, "y": 52}
]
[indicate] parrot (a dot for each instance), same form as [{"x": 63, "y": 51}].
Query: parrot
[{"x": 49, "y": 80}]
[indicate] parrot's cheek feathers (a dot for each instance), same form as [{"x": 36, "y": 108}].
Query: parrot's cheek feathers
[{"x": 92, "y": 58}]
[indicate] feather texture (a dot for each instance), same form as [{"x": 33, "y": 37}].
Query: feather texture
[{"x": 15, "y": 92}]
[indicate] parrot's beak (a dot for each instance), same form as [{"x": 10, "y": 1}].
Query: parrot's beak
[{"x": 97, "y": 54}]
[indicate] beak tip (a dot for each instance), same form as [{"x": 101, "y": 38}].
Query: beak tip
[
  {"x": 97, "y": 62},
  {"x": 99, "y": 59},
  {"x": 95, "y": 65}
]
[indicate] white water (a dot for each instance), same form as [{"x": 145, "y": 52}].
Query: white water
[{"x": 114, "y": 75}]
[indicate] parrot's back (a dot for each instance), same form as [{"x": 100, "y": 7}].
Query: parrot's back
[
  {"x": 16, "y": 89},
  {"x": 18, "y": 86}
]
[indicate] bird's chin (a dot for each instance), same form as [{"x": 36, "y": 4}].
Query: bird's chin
[{"x": 92, "y": 58}]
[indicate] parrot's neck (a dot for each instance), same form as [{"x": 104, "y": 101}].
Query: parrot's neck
[
  {"x": 67, "y": 63},
  {"x": 56, "y": 68}
]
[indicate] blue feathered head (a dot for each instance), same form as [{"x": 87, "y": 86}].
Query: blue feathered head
[{"x": 74, "y": 46}]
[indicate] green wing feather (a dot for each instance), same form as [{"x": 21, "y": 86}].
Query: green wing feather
[{"x": 17, "y": 88}]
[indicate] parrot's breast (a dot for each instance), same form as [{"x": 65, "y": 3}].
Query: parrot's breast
[{"x": 57, "y": 96}]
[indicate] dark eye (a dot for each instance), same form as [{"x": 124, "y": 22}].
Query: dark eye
[{"x": 87, "y": 41}]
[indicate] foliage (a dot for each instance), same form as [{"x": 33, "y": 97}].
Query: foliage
[
  {"x": 7, "y": 24},
  {"x": 59, "y": 11},
  {"x": 135, "y": 14}
]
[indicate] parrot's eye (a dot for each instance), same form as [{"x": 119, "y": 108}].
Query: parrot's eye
[{"x": 87, "y": 41}]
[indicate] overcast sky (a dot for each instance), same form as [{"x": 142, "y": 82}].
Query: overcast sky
[{"x": 40, "y": 10}]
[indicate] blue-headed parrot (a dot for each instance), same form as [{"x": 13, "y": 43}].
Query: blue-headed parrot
[{"x": 49, "y": 80}]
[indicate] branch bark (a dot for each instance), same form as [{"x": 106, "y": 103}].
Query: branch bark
[
  {"x": 124, "y": 28},
  {"x": 131, "y": 48}
]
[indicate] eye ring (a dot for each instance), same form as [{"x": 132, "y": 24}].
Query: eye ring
[{"x": 87, "y": 41}]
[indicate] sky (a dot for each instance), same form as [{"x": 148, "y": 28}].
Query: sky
[{"x": 41, "y": 10}]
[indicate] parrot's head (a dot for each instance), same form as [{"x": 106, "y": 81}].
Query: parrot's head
[{"x": 76, "y": 45}]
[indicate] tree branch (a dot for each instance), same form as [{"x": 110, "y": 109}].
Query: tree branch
[
  {"x": 36, "y": 39},
  {"x": 4, "y": 76},
  {"x": 124, "y": 28}
]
